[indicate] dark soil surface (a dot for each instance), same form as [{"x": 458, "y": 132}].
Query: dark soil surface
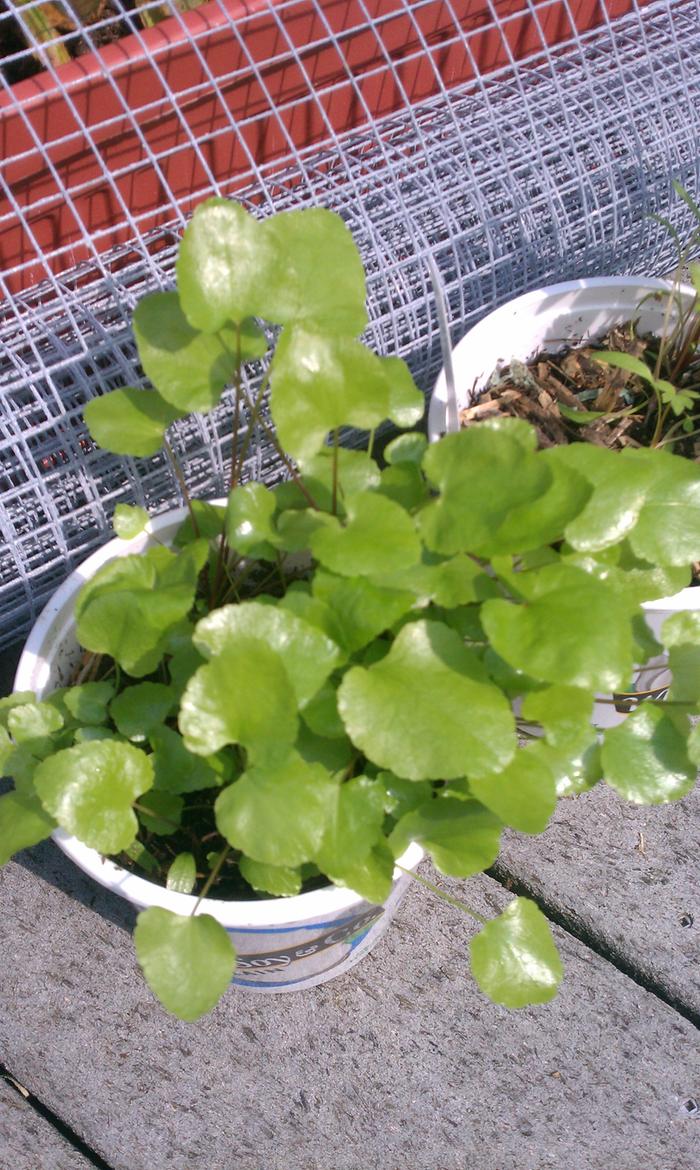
[{"x": 572, "y": 397}]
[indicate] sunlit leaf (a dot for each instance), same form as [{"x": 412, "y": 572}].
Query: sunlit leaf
[
  {"x": 187, "y": 962},
  {"x": 514, "y": 959},
  {"x": 427, "y": 709},
  {"x": 129, "y": 421},
  {"x": 90, "y": 789},
  {"x": 277, "y": 814}
]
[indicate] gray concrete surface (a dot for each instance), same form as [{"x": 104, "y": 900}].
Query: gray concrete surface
[
  {"x": 28, "y": 1142},
  {"x": 400, "y": 1063},
  {"x": 627, "y": 875}
]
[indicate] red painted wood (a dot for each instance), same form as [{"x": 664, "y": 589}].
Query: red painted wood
[{"x": 303, "y": 93}]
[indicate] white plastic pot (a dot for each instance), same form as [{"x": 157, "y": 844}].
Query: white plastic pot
[
  {"x": 283, "y": 944},
  {"x": 550, "y": 319}
]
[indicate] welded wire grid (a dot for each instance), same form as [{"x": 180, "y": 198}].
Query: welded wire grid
[{"x": 513, "y": 166}]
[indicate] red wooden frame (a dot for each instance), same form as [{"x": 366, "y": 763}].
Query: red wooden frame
[{"x": 117, "y": 106}]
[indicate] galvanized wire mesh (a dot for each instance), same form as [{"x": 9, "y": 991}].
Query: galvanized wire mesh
[{"x": 518, "y": 141}]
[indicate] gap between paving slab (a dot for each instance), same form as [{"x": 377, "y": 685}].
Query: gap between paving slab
[
  {"x": 625, "y": 879},
  {"x": 29, "y": 1141},
  {"x": 401, "y": 1062}
]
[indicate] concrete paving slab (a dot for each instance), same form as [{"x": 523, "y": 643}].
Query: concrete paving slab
[
  {"x": 400, "y": 1063},
  {"x": 28, "y": 1142},
  {"x": 627, "y": 875}
]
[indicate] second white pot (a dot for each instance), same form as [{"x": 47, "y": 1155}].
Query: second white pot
[{"x": 551, "y": 319}]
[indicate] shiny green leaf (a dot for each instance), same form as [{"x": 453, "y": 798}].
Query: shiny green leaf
[
  {"x": 189, "y": 368},
  {"x": 182, "y": 874},
  {"x": 462, "y": 836},
  {"x": 646, "y": 758},
  {"x": 427, "y": 710},
  {"x": 129, "y": 421},
  {"x": 308, "y": 655},
  {"x": 90, "y": 789},
  {"x": 523, "y": 794},
  {"x": 187, "y": 962},
  {"x": 354, "y": 825},
  {"x": 242, "y": 696},
  {"x": 379, "y": 536},
  {"x": 319, "y": 383},
  {"x": 514, "y": 959},
  {"x": 175, "y": 769},
  {"x": 573, "y": 630},
  {"x": 23, "y": 822},
  {"x": 222, "y": 265},
  {"x": 281, "y": 881},
  {"x": 128, "y": 521},
  {"x": 138, "y": 710},
  {"x": 316, "y": 276},
  {"x": 277, "y": 814}
]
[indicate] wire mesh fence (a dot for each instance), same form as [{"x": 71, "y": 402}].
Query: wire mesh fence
[{"x": 517, "y": 141}]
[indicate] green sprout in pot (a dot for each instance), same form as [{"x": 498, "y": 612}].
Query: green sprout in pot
[
  {"x": 315, "y": 675},
  {"x": 627, "y": 388}
]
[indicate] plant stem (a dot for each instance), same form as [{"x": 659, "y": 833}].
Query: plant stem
[
  {"x": 441, "y": 894},
  {"x": 179, "y": 475},
  {"x": 336, "y": 444},
  {"x": 212, "y": 877},
  {"x": 235, "y": 469}
]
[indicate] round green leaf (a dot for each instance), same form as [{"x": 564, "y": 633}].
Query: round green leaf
[
  {"x": 277, "y": 814},
  {"x": 182, "y": 874},
  {"x": 88, "y": 702},
  {"x": 23, "y": 822},
  {"x": 514, "y": 959},
  {"x": 321, "y": 713},
  {"x": 188, "y": 962},
  {"x": 681, "y": 634},
  {"x": 129, "y": 520},
  {"x": 668, "y": 529},
  {"x": 131, "y": 604},
  {"x": 249, "y": 513},
  {"x": 359, "y": 610},
  {"x": 308, "y": 655},
  {"x": 617, "y": 496},
  {"x": 462, "y": 836},
  {"x": 138, "y": 710},
  {"x": 319, "y": 383},
  {"x": 427, "y": 710},
  {"x": 279, "y": 880},
  {"x": 175, "y": 769},
  {"x": 188, "y": 368},
  {"x": 33, "y": 721},
  {"x": 90, "y": 789},
  {"x": 563, "y": 712},
  {"x": 354, "y": 825},
  {"x": 409, "y": 448},
  {"x": 372, "y": 877},
  {"x": 379, "y": 537},
  {"x": 572, "y": 629},
  {"x": 160, "y": 812},
  {"x": 646, "y": 758},
  {"x": 406, "y": 403},
  {"x": 130, "y": 421},
  {"x": 480, "y": 473},
  {"x": 523, "y": 794},
  {"x": 242, "y": 696},
  {"x": 315, "y": 276},
  {"x": 222, "y": 265}
]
